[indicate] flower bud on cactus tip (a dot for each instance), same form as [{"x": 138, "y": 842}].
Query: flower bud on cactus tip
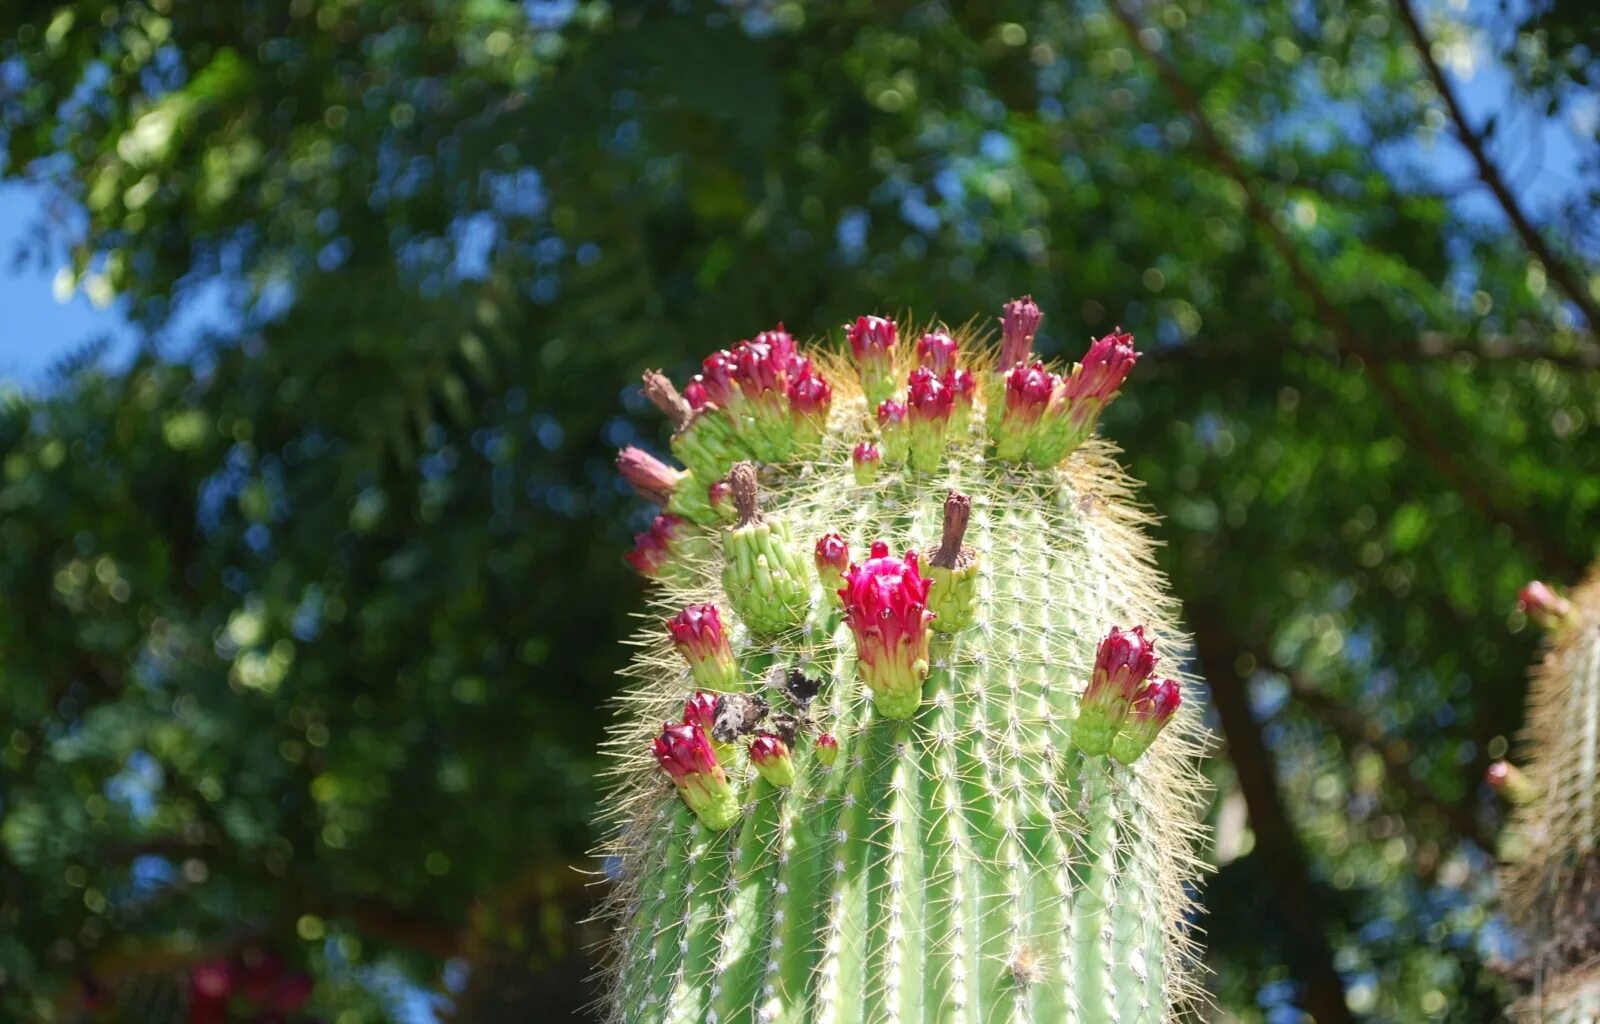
[
  {"x": 653, "y": 548},
  {"x": 697, "y": 634},
  {"x": 1018, "y": 325},
  {"x": 827, "y": 748},
  {"x": 872, "y": 341},
  {"x": 1104, "y": 368},
  {"x": 937, "y": 351},
  {"x": 650, "y": 478},
  {"x": 1122, "y": 663},
  {"x": 929, "y": 405},
  {"x": 1149, "y": 713},
  {"x": 832, "y": 558},
  {"x": 1544, "y": 606},
  {"x": 1028, "y": 390},
  {"x": 953, "y": 570},
  {"x": 771, "y": 757},
  {"x": 684, "y": 753},
  {"x": 886, "y": 608},
  {"x": 865, "y": 459}
]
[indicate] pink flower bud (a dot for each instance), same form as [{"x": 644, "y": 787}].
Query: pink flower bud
[
  {"x": 961, "y": 384},
  {"x": 926, "y": 397},
  {"x": 720, "y": 494},
  {"x": 833, "y": 558},
  {"x": 827, "y": 748},
  {"x": 1017, "y": 328},
  {"x": 1028, "y": 390},
  {"x": 865, "y": 458},
  {"x": 937, "y": 351},
  {"x": 1122, "y": 663},
  {"x": 810, "y": 396},
  {"x": 771, "y": 757},
  {"x": 1544, "y": 605},
  {"x": 719, "y": 377},
  {"x": 654, "y": 546},
  {"x": 684, "y": 752},
  {"x": 700, "y": 710},
  {"x": 698, "y": 636},
  {"x": 886, "y": 607},
  {"x": 1151, "y": 709},
  {"x": 785, "y": 355},
  {"x": 872, "y": 339},
  {"x": 1104, "y": 368},
  {"x": 891, "y": 414},
  {"x": 650, "y": 478},
  {"x": 695, "y": 394}
]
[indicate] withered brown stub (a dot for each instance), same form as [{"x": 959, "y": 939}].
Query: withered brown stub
[
  {"x": 952, "y": 554},
  {"x": 738, "y": 714},
  {"x": 746, "y": 495},
  {"x": 785, "y": 726},
  {"x": 665, "y": 397}
]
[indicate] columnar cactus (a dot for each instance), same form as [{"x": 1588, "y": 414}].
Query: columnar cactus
[
  {"x": 898, "y": 804},
  {"x": 1551, "y": 879}
]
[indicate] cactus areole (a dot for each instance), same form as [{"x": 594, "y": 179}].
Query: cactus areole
[{"x": 894, "y": 748}]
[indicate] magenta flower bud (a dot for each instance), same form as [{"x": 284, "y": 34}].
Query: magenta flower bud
[
  {"x": 695, "y": 394},
  {"x": 929, "y": 405},
  {"x": 810, "y": 395},
  {"x": 892, "y": 429},
  {"x": 886, "y": 607},
  {"x": 720, "y": 494},
  {"x": 872, "y": 342},
  {"x": 1544, "y": 606},
  {"x": 1123, "y": 662},
  {"x": 936, "y": 350},
  {"x": 719, "y": 377},
  {"x": 784, "y": 354},
  {"x": 1106, "y": 365},
  {"x": 1151, "y": 710},
  {"x": 1028, "y": 390},
  {"x": 1018, "y": 325},
  {"x": 771, "y": 757},
  {"x": 833, "y": 558},
  {"x": 865, "y": 458},
  {"x": 650, "y": 478},
  {"x": 697, "y": 634},
  {"x": 827, "y": 748},
  {"x": 700, "y": 710},
  {"x": 758, "y": 369},
  {"x": 684, "y": 753},
  {"x": 653, "y": 547}
]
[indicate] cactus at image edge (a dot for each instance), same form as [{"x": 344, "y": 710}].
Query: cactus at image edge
[
  {"x": 1550, "y": 878},
  {"x": 896, "y": 748}
]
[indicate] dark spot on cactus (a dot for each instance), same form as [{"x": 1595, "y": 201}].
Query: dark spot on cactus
[
  {"x": 786, "y": 726},
  {"x": 738, "y": 714},
  {"x": 801, "y": 688}
]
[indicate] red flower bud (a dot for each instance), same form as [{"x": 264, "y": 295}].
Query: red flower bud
[
  {"x": 926, "y": 397},
  {"x": 650, "y": 478},
  {"x": 1104, "y": 368},
  {"x": 1544, "y": 605},
  {"x": 961, "y": 384},
  {"x": 891, "y": 414},
  {"x": 720, "y": 494},
  {"x": 695, "y": 393},
  {"x": 1028, "y": 390},
  {"x": 771, "y": 757},
  {"x": 872, "y": 338},
  {"x": 684, "y": 752},
  {"x": 886, "y": 607},
  {"x": 697, "y": 634},
  {"x": 832, "y": 558},
  {"x": 700, "y": 710},
  {"x": 719, "y": 377},
  {"x": 937, "y": 351},
  {"x": 827, "y": 748},
  {"x": 810, "y": 395},
  {"x": 865, "y": 458},
  {"x": 1148, "y": 714},
  {"x": 653, "y": 547},
  {"x": 785, "y": 355},
  {"x": 1017, "y": 328},
  {"x": 1123, "y": 662}
]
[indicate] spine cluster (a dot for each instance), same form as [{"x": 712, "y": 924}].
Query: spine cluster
[{"x": 922, "y": 767}]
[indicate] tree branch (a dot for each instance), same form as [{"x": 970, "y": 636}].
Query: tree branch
[
  {"x": 1554, "y": 266},
  {"x": 1417, "y": 425}
]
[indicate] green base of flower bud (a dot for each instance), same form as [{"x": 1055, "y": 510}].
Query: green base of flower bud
[
  {"x": 1011, "y": 445},
  {"x": 717, "y": 810},
  {"x": 708, "y": 446},
  {"x": 716, "y": 674},
  {"x": 1127, "y": 748},
  {"x": 866, "y": 473},
  {"x": 953, "y": 597},
  {"x": 1096, "y": 728},
  {"x": 1054, "y": 442},
  {"x": 767, "y": 432},
  {"x": 778, "y": 771},
  {"x": 894, "y": 445},
  {"x": 765, "y": 583},
  {"x": 896, "y": 693},
  {"x": 877, "y": 385},
  {"x": 926, "y": 449},
  {"x": 692, "y": 501}
]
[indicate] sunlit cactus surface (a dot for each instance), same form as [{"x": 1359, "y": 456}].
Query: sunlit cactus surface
[
  {"x": 1551, "y": 880},
  {"x": 896, "y": 746}
]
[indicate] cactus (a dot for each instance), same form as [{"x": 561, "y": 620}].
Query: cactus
[
  {"x": 1550, "y": 881},
  {"x": 896, "y": 810}
]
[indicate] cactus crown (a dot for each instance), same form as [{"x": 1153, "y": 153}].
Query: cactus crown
[
  {"x": 1553, "y": 845},
  {"x": 921, "y": 832}
]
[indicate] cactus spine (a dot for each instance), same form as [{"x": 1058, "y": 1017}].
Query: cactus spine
[
  {"x": 918, "y": 837},
  {"x": 1551, "y": 879}
]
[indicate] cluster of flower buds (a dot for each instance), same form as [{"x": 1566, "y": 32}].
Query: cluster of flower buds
[
  {"x": 763, "y": 578},
  {"x": 886, "y": 607},
  {"x": 1120, "y": 713},
  {"x": 684, "y": 752},
  {"x": 832, "y": 558},
  {"x": 697, "y": 634},
  {"x": 702, "y": 438},
  {"x": 872, "y": 343},
  {"x": 1045, "y": 417},
  {"x": 866, "y": 460},
  {"x": 1545, "y": 606},
  {"x": 953, "y": 571},
  {"x": 653, "y": 549},
  {"x": 771, "y": 757}
]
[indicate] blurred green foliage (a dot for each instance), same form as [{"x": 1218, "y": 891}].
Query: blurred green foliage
[{"x": 309, "y": 633}]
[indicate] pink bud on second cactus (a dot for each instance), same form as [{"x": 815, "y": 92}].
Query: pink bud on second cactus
[
  {"x": 886, "y": 607},
  {"x": 833, "y": 558},
  {"x": 701, "y": 710},
  {"x": 653, "y": 548},
  {"x": 1106, "y": 365},
  {"x": 698, "y": 635},
  {"x": 872, "y": 342},
  {"x": 1544, "y": 605},
  {"x": 684, "y": 752},
  {"x": 1151, "y": 710},
  {"x": 937, "y": 351},
  {"x": 865, "y": 459},
  {"x": 771, "y": 757},
  {"x": 1122, "y": 663},
  {"x": 1017, "y": 328},
  {"x": 650, "y": 478}
]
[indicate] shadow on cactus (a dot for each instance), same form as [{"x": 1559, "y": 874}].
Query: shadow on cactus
[
  {"x": 1550, "y": 881},
  {"x": 854, "y": 783}
]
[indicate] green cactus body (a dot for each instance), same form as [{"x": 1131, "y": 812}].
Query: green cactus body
[
  {"x": 964, "y": 863},
  {"x": 1552, "y": 847}
]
